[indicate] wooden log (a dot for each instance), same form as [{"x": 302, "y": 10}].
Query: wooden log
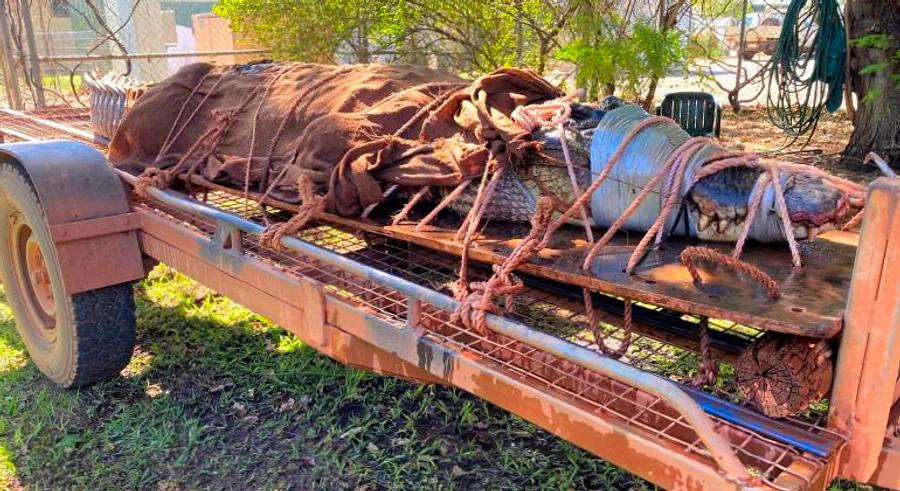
[{"x": 781, "y": 375}]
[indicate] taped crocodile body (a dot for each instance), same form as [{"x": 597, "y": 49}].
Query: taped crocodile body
[{"x": 359, "y": 133}]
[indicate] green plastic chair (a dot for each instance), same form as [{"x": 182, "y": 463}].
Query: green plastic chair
[{"x": 698, "y": 113}]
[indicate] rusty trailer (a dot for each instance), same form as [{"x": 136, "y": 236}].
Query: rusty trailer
[{"x": 368, "y": 295}]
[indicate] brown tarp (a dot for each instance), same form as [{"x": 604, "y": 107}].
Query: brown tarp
[{"x": 340, "y": 125}]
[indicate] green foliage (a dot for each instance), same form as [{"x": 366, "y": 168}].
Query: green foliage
[
  {"x": 314, "y": 30},
  {"x": 877, "y": 41},
  {"x": 875, "y": 68},
  {"x": 891, "y": 62},
  {"x": 464, "y": 35},
  {"x": 609, "y": 54},
  {"x": 718, "y": 9},
  {"x": 473, "y": 37}
]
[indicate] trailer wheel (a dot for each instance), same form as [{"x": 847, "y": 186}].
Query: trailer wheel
[{"x": 75, "y": 340}]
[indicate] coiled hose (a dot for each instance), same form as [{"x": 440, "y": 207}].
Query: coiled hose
[{"x": 807, "y": 70}]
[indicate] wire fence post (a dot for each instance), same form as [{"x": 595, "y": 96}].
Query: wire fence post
[
  {"x": 10, "y": 79},
  {"x": 53, "y": 47},
  {"x": 34, "y": 67},
  {"x": 734, "y": 95}
]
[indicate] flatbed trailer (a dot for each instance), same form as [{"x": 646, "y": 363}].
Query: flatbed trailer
[{"x": 369, "y": 296}]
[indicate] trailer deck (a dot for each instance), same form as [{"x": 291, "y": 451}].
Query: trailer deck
[{"x": 370, "y": 296}]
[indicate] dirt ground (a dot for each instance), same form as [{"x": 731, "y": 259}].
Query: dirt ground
[{"x": 751, "y": 130}]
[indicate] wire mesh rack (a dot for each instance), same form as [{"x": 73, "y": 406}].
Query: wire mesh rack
[{"x": 670, "y": 356}]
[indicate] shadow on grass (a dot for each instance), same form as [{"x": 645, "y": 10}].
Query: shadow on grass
[{"x": 217, "y": 397}]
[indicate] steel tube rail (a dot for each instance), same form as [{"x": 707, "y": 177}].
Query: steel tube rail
[
  {"x": 150, "y": 56},
  {"x": 717, "y": 445}
]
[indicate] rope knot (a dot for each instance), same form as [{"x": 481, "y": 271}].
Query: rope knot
[
  {"x": 548, "y": 114},
  {"x": 151, "y": 177},
  {"x": 310, "y": 206},
  {"x": 478, "y": 299}
]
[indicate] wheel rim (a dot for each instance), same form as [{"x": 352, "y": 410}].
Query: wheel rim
[{"x": 34, "y": 281}]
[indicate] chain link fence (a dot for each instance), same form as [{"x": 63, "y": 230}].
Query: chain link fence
[{"x": 50, "y": 46}]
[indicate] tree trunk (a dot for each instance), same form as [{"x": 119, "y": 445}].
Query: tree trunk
[
  {"x": 520, "y": 33},
  {"x": 876, "y": 127}
]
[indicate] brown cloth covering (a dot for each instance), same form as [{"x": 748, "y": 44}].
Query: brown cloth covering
[{"x": 341, "y": 127}]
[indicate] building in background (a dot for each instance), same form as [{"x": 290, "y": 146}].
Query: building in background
[{"x": 168, "y": 32}]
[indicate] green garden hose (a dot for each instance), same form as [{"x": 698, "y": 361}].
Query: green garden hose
[{"x": 807, "y": 69}]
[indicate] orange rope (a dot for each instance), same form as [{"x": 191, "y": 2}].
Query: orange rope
[
  {"x": 585, "y": 197},
  {"x": 856, "y": 220},
  {"x": 259, "y": 106},
  {"x": 472, "y": 221},
  {"x": 674, "y": 160},
  {"x": 444, "y": 203},
  {"x": 781, "y": 208},
  {"x": 599, "y": 336},
  {"x": 409, "y": 205},
  {"x": 475, "y": 305},
  {"x": 691, "y": 255},
  {"x": 310, "y": 206},
  {"x": 707, "y": 369},
  {"x": 169, "y": 142},
  {"x": 273, "y": 143},
  {"x": 753, "y": 207},
  {"x": 548, "y": 115},
  {"x": 426, "y": 109}
]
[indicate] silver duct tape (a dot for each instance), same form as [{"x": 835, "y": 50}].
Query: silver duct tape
[
  {"x": 110, "y": 98},
  {"x": 641, "y": 160}
]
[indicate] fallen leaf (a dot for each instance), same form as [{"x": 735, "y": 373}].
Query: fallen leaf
[
  {"x": 221, "y": 387},
  {"x": 286, "y": 405}
]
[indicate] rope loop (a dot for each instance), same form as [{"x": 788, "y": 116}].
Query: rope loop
[
  {"x": 310, "y": 206},
  {"x": 478, "y": 299},
  {"x": 600, "y": 336},
  {"x": 152, "y": 177},
  {"x": 690, "y": 256},
  {"x": 549, "y": 114}
]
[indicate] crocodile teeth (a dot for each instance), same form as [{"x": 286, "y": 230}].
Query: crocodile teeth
[
  {"x": 705, "y": 222},
  {"x": 721, "y": 226}
]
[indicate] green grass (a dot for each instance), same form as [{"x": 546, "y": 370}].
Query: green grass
[
  {"x": 62, "y": 82},
  {"x": 218, "y": 398}
]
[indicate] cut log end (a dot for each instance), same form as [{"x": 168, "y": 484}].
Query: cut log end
[{"x": 782, "y": 375}]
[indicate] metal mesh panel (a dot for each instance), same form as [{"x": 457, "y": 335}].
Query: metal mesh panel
[
  {"x": 55, "y": 44},
  {"x": 670, "y": 357}
]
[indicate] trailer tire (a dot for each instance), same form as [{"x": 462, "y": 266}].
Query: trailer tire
[{"x": 75, "y": 340}]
